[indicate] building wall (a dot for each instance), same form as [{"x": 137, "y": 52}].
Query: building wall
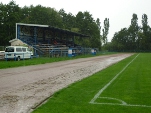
[{"x": 16, "y": 42}]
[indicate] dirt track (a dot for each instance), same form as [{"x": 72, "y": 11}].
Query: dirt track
[{"x": 23, "y": 88}]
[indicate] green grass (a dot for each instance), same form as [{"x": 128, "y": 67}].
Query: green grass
[
  {"x": 132, "y": 86},
  {"x": 42, "y": 60}
]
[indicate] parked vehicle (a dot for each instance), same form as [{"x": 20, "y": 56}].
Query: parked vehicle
[{"x": 17, "y": 53}]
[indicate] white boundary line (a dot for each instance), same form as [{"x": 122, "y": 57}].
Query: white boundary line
[
  {"x": 129, "y": 105},
  {"x": 121, "y": 101},
  {"x": 99, "y": 93},
  {"x": 118, "y": 100},
  {"x": 108, "y": 84}
]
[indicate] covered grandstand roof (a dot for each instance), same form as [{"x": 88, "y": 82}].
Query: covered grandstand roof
[{"x": 54, "y": 28}]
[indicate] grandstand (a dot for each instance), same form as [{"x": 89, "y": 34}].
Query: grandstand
[{"x": 46, "y": 39}]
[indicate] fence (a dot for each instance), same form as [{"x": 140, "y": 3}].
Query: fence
[
  {"x": 63, "y": 52},
  {"x": 54, "y": 52},
  {"x": 2, "y": 48},
  {"x": 2, "y": 53}
]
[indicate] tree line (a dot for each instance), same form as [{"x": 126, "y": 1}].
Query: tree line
[
  {"x": 82, "y": 22},
  {"x": 135, "y": 38}
]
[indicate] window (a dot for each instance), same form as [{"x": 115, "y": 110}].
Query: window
[
  {"x": 18, "y": 50},
  {"x": 24, "y": 49},
  {"x": 9, "y": 49}
]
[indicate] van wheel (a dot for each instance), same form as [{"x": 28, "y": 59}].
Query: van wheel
[{"x": 18, "y": 58}]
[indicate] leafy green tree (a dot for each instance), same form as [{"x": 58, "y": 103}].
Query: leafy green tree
[
  {"x": 67, "y": 19},
  {"x": 120, "y": 40},
  {"x": 145, "y": 24},
  {"x": 2, "y": 20},
  {"x": 99, "y": 30},
  {"x": 141, "y": 41},
  {"x": 25, "y": 14},
  {"x": 105, "y": 30},
  {"x": 135, "y": 38},
  {"x": 10, "y": 16},
  {"x": 133, "y": 33},
  {"x": 146, "y": 33},
  {"x": 98, "y": 24},
  {"x": 87, "y": 25},
  {"x": 43, "y": 15}
]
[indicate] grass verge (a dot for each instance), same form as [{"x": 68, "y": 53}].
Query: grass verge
[
  {"x": 42, "y": 60},
  {"x": 132, "y": 86}
]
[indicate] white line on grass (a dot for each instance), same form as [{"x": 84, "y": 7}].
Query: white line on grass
[
  {"x": 100, "y": 92},
  {"x": 129, "y": 105},
  {"x": 109, "y": 98}
]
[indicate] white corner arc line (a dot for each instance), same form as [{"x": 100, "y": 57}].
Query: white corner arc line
[
  {"x": 118, "y": 100},
  {"x": 99, "y": 93}
]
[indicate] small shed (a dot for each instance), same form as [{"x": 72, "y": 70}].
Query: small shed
[{"x": 16, "y": 42}]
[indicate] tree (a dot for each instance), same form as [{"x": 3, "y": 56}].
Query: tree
[
  {"x": 25, "y": 14},
  {"x": 105, "y": 30},
  {"x": 145, "y": 24},
  {"x": 98, "y": 24},
  {"x": 10, "y": 16},
  {"x": 99, "y": 29},
  {"x": 146, "y": 32},
  {"x": 43, "y": 15},
  {"x": 67, "y": 19},
  {"x": 133, "y": 33},
  {"x": 87, "y": 25},
  {"x": 135, "y": 38},
  {"x": 120, "y": 40}
]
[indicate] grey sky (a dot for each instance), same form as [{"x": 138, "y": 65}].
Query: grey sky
[{"x": 118, "y": 11}]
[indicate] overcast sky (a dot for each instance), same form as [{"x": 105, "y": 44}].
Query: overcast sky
[{"x": 118, "y": 11}]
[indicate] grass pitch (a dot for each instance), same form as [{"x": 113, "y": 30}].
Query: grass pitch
[{"x": 121, "y": 88}]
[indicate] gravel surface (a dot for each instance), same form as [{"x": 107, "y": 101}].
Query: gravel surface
[{"x": 22, "y": 89}]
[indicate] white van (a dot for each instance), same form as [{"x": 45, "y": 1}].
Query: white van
[{"x": 17, "y": 53}]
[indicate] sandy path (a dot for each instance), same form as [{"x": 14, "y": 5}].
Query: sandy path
[{"x": 23, "y": 88}]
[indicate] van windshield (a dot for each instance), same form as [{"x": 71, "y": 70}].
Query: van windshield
[{"x": 9, "y": 49}]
